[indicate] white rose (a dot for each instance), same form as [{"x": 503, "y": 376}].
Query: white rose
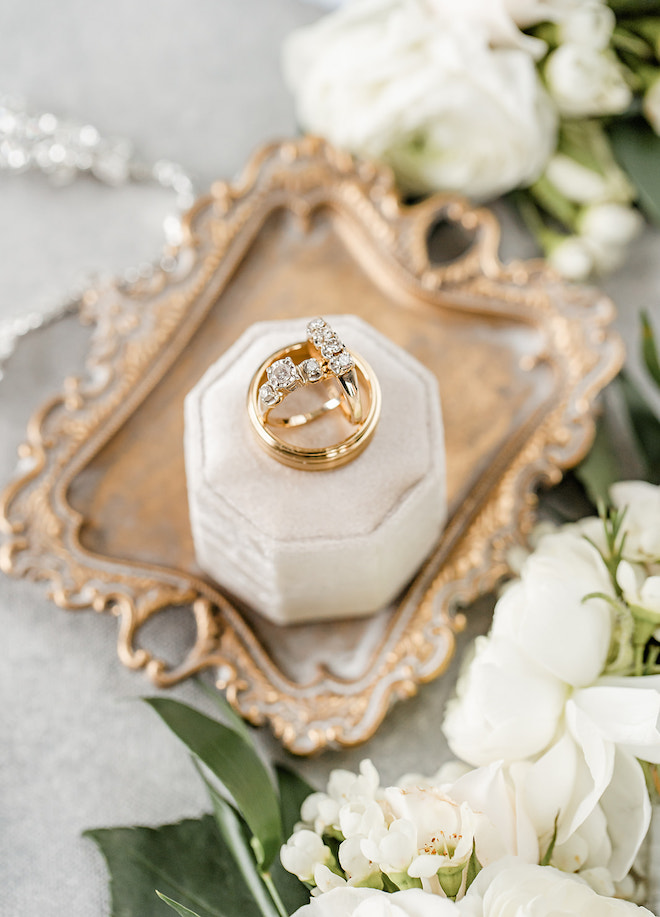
[
  {"x": 591, "y": 24},
  {"x": 513, "y": 889},
  {"x": 368, "y": 902},
  {"x": 585, "y": 82},
  {"x": 505, "y": 706},
  {"x": 651, "y": 105},
  {"x": 586, "y": 186},
  {"x": 642, "y": 520},
  {"x": 396, "y": 81},
  {"x": 611, "y": 224}
]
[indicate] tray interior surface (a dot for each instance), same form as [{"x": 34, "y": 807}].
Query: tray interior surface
[{"x": 132, "y": 494}]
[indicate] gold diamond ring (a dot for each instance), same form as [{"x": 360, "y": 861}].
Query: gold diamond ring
[{"x": 300, "y": 367}]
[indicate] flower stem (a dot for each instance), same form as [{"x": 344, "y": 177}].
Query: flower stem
[{"x": 274, "y": 894}]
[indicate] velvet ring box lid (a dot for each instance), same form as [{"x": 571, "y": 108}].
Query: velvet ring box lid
[{"x": 298, "y": 545}]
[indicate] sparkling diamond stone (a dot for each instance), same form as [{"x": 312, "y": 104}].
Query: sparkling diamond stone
[
  {"x": 341, "y": 363},
  {"x": 331, "y": 346},
  {"x": 283, "y": 374},
  {"x": 316, "y": 326},
  {"x": 311, "y": 370},
  {"x": 268, "y": 394}
]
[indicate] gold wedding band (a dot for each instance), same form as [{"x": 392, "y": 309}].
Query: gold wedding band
[{"x": 353, "y": 387}]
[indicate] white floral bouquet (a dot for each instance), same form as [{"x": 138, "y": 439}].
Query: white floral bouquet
[
  {"x": 560, "y": 98},
  {"x": 557, "y": 712},
  {"x": 556, "y": 719}
]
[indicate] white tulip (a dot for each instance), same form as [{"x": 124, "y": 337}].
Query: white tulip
[
  {"x": 590, "y": 23},
  {"x": 585, "y": 82},
  {"x": 642, "y": 520},
  {"x": 506, "y": 707},
  {"x": 651, "y": 105},
  {"x": 513, "y": 889},
  {"x": 423, "y": 91},
  {"x": 573, "y": 259},
  {"x": 303, "y": 852},
  {"x": 611, "y": 224}
]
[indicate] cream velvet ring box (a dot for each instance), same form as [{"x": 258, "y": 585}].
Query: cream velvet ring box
[{"x": 298, "y": 545}]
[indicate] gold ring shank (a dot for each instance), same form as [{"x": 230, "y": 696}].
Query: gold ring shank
[{"x": 325, "y": 457}]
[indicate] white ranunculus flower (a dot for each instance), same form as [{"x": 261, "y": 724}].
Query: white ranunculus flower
[
  {"x": 651, "y": 105},
  {"x": 585, "y": 82},
  {"x": 399, "y": 81},
  {"x": 642, "y": 520},
  {"x": 611, "y": 224},
  {"x": 368, "y": 902},
  {"x": 505, "y": 706},
  {"x": 514, "y": 889},
  {"x": 546, "y": 614},
  {"x": 590, "y": 23}
]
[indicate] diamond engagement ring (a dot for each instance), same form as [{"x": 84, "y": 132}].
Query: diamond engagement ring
[{"x": 321, "y": 363}]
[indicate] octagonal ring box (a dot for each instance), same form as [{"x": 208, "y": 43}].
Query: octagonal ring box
[{"x": 298, "y": 545}]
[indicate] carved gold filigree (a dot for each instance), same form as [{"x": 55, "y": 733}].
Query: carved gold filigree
[{"x": 142, "y": 329}]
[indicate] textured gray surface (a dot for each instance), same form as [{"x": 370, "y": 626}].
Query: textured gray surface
[{"x": 197, "y": 82}]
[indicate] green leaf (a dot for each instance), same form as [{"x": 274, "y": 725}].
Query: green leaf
[
  {"x": 547, "y": 856},
  {"x": 236, "y": 838},
  {"x": 179, "y": 908},
  {"x": 293, "y": 792},
  {"x": 227, "y": 712},
  {"x": 646, "y": 426},
  {"x": 474, "y": 866},
  {"x": 236, "y": 764},
  {"x": 601, "y": 468},
  {"x": 187, "y": 861},
  {"x": 649, "y": 348},
  {"x": 637, "y": 148},
  {"x": 633, "y": 7}
]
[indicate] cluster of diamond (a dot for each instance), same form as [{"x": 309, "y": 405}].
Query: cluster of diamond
[
  {"x": 321, "y": 335},
  {"x": 284, "y": 376}
]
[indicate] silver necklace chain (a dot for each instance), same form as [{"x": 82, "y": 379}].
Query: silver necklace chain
[{"x": 64, "y": 149}]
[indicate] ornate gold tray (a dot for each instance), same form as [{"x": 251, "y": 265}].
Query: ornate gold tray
[{"x": 100, "y": 511}]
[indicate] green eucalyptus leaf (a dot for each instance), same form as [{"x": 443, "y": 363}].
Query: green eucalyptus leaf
[
  {"x": 637, "y": 148},
  {"x": 187, "y": 861},
  {"x": 179, "y": 908},
  {"x": 236, "y": 764}
]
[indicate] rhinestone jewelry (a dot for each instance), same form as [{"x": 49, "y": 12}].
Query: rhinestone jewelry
[{"x": 63, "y": 149}]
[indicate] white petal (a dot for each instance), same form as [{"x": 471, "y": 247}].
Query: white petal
[
  {"x": 594, "y": 770},
  {"x": 626, "y": 805},
  {"x": 626, "y": 714}
]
